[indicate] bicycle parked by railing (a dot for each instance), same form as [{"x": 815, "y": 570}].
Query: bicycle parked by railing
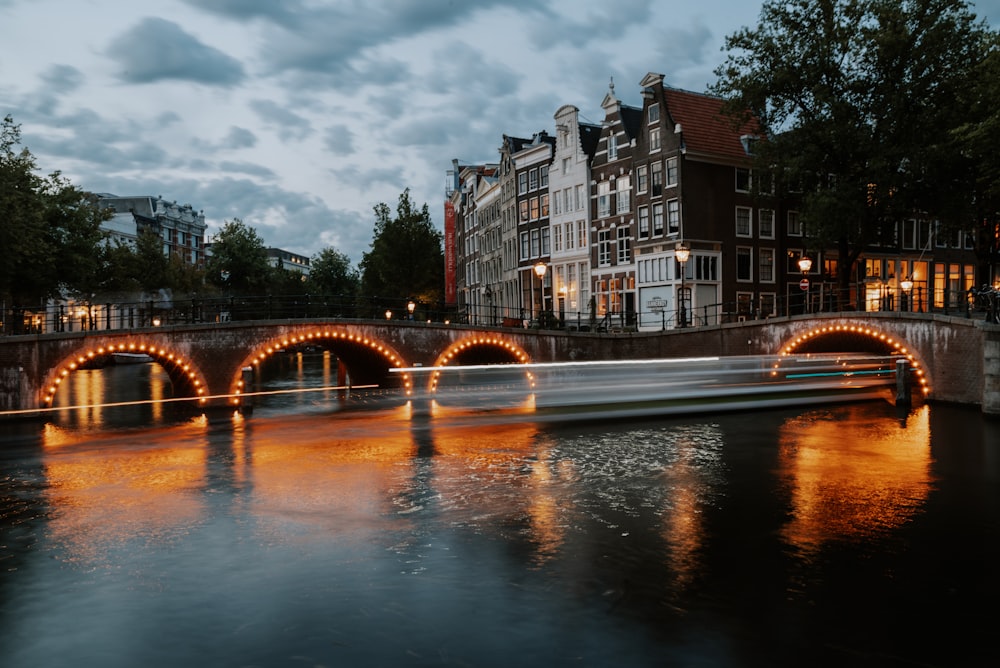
[{"x": 987, "y": 299}]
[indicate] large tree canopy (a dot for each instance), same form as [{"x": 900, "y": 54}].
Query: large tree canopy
[
  {"x": 49, "y": 230},
  {"x": 330, "y": 273},
  {"x": 859, "y": 101},
  {"x": 406, "y": 259},
  {"x": 238, "y": 260}
]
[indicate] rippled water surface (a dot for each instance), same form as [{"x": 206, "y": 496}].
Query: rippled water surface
[{"x": 844, "y": 536}]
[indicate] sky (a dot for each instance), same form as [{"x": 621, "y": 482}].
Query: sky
[{"x": 300, "y": 116}]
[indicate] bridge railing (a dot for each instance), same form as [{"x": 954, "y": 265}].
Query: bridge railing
[{"x": 68, "y": 316}]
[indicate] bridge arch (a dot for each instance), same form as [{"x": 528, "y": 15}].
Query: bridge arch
[
  {"x": 856, "y": 337},
  {"x": 186, "y": 378},
  {"x": 366, "y": 359},
  {"x": 478, "y": 349}
]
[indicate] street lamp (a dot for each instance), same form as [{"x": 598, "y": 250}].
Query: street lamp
[
  {"x": 906, "y": 284},
  {"x": 683, "y": 254},
  {"x": 388, "y": 314},
  {"x": 488, "y": 293},
  {"x": 540, "y": 270},
  {"x": 410, "y": 306},
  {"x": 805, "y": 264}
]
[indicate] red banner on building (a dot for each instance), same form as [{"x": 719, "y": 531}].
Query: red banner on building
[{"x": 450, "y": 280}]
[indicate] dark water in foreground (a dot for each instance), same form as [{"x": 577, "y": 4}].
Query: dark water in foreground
[{"x": 843, "y": 536}]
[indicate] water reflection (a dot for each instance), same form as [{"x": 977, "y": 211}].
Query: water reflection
[{"x": 852, "y": 479}]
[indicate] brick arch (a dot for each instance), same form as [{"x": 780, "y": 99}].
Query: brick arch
[
  {"x": 356, "y": 351},
  {"x": 867, "y": 337},
  {"x": 187, "y": 379},
  {"x": 478, "y": 349}
]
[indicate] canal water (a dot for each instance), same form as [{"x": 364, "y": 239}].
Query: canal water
[{"x": 848, "y": 535}]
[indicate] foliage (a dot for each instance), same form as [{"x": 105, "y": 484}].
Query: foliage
[
  {"x": 859, "y": 101},
  {"x": 330, "y": 273},
  {"x": 406, "y": 259},
  {"x": 238, "y": 260},
  {"x": 51, "y": 232}
]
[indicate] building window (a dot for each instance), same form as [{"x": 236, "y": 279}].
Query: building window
[
  {"x": 543, "y": 174},
  {"x": 545, "y": 241},
  {"x": 743, "y": 221},
  {"x": 767, "y": 304},
  {"x": 612, "y": 146},
  {"x": 536, "y": 245},
  {"x": 557, "y": 238},
  {"x": 671, "y": 172},
  {"x": 581, "y": 234},
  {"x": 565, "y": 165},
  {"x": 623, "y": 245},
  {"x": 525, "y": 247},
  {"x": 568, "y": 235},
  {"x": 545, "y": 205},
  {"x": 654, "y": 139},
  {"x": 909, "y": 234},
  {"x": 742, "y": 180},
  {"x": 643, "y": 222},
  {"x": 603, "y": 199},
  {"x": 657, "y": 220},
  {"x": 622, "y": 196},
  {"x": 654, "y": 112},
  {"x": 534, "y": 208},
  {"x": 604, "y": 248},
  {"x": 656, "y": 180},
  {"x": 794, "y": 224},
  {"x": 743, "y": 264},
  {"x": 581, "y": 198},
  {"x": 522, "y": 183},
  {"x": 673, "y": 217},
  {"x": 523, "y": 205},
  {"x": 767, "y": 265},
  {"x": 641, "y": 179},
  {"x": 533, "y": 179},
  {"x": 766, "y": 223}
]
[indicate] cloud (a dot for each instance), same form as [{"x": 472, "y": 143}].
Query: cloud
[
  {"x": 339, "y": 140},
  {"x": 156, "y": 49},
  {"x": 286, "y": 123},
  {"x": 62, "y": 79}
]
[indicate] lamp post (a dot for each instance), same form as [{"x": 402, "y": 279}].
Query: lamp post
[
  {"x": 682, "y": 253},
  {"x": 540, "y": 270},
  {"x": 410, "y": 306},
  {"x": 488, "y": 293},
  {"x": 805, "y": 264},
  {"x": 907, "y": 285}
]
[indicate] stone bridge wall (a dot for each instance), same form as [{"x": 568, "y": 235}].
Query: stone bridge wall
[{"x": 960, "y": 357}]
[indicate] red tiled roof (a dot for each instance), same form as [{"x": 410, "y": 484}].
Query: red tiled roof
[{"x": 705, "y": 129}]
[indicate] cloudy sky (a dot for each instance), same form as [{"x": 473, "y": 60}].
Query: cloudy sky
[{"x": 298, "y": 116}]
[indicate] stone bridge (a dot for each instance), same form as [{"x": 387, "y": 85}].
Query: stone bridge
[{"x": 956, "y": 359}]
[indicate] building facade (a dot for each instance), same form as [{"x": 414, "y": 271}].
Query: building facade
[{"x": 181, "y": 228}]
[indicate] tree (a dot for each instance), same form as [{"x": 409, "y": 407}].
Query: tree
[
  {"x": 857, "y": 101},
  {"x": 238, "y": 259},
  {"x": 330, "y": 273},
  {"x": 406, "y": 259},
  {"x": 50, "y": 232}
]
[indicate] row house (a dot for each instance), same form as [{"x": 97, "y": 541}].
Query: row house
[
  {"x": 463, "y": 234},
  {"x": 531, "y": 167},
  {"x": 655, "y": 222},
  {"x": 569, "y": 213}
]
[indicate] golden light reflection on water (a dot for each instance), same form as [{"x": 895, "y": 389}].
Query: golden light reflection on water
[
  {"x": 843, "y": 487},
  {"x": 108, "y": 494}
]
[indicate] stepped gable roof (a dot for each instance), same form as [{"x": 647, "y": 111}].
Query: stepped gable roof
[
  {"x": 704, "y": 128},
  {"x": 631, "y": 120},
  {"x": 590, "y": 135}
]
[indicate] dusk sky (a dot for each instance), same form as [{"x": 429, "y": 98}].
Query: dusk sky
[{"x": 299, "y": 116}]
